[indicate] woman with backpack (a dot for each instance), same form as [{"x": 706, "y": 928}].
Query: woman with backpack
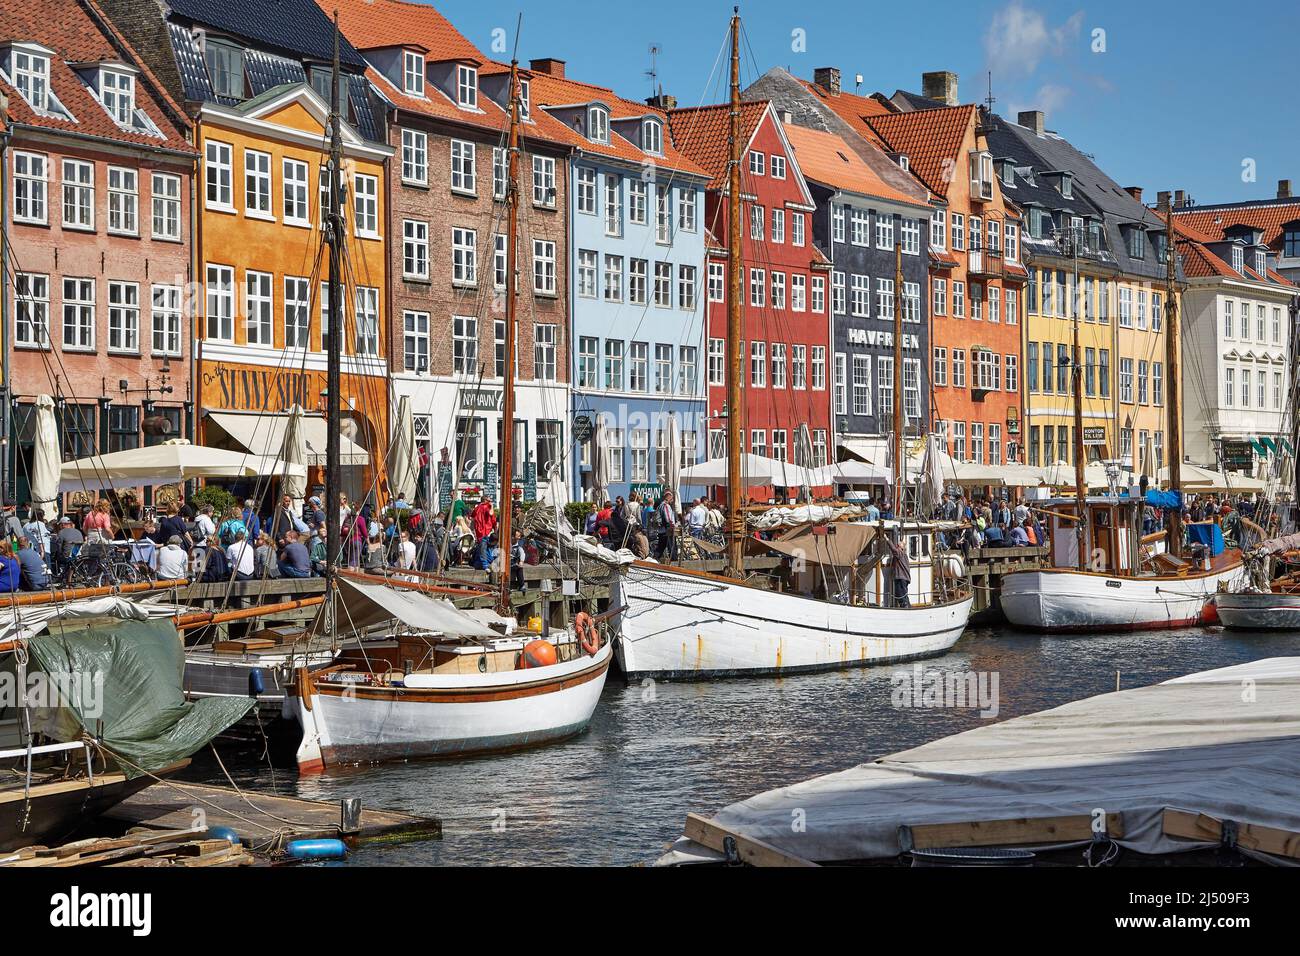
[{"x": 231, "y": 527}]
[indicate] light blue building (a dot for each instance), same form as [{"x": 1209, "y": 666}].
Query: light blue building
[{"x": 638, "y": 285}]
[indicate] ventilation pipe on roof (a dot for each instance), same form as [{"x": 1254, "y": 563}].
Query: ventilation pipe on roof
[
  {"x": 940, "y": 85},
  {"x": 1032, "y": 119}
]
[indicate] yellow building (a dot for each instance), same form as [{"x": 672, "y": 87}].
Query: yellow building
[{"x": 263, "y": 268}]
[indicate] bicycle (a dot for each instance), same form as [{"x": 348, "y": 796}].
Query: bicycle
[{"x": 99, "y": 565}]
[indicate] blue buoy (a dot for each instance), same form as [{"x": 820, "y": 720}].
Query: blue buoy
[
  {"x": 223, "y": 833},
  {"x": 255, "y": 683},
  {"x": 317, "y": 849}
]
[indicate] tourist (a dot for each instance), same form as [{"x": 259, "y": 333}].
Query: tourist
[
  {"x": 149, "y": 532},
  {"x": 242, "y": 556},
  {"x": 696, "y": 518},
  {"x": 405, "y": 551},
  {"x": 294, "y": 559},
  {"x": 11, "y": 575},
  {"x": 67, "y": 542},
  {"x": 355, "y": 536},
  {"x": 283, "y": 520},
  {"x": 1019, "y": 537},
  {"x": 31, "y": 566},
  {"x": 232, "y": 527},
  {"x": 994, "y": 537},
  {"x": 205, "y": 525},
  {"x": 604, "y": 529},
  {"x": 319, "y": 551},
  {"x": 173, "y": 560},
  {"x": 518, "y": 557},
  {"x": 173, "y": 525},
  {"x": 483, "y": 519},
  {"x": 265, "y": 560},
  {"x": 215, "y": 567},
  {"x": 314, "y": 514},
  {"x": 188, "y": 508},
  {"x": 1022, "y": 511},
  {"x": 99, "y": 522},
  {"x": 252, "y": 523}
]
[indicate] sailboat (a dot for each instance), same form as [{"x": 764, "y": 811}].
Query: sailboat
[
  {"x": 446, "y": 682},
  {"x": 1099, "y": 578},
  {"x": 688, "y": 624}
]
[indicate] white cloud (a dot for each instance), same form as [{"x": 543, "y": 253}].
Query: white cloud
[{"x": 1019, "y": 38}]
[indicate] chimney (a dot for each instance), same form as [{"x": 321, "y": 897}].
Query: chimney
[
  {"x": 1164, "y": 198},
  {"x": 662, "y": 101},
  {"x": 1284, "y": 189},
  {"x": 941, "y": 86},
  {"x": 548, "y": 65},
  {"x": 1031, "y": 119},
  {"x": 828, "y": 78},
  {"x": 1180, "y": 198},
  {"x": 1134, "y": 191}
]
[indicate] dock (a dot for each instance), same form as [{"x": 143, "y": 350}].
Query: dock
[
  {"x": 984, "y": 570},
  {"x": 261, "y": 819}
]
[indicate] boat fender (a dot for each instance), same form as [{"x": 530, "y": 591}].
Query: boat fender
[
  {"x": 585, "y": 628},
  {"x": 953, "y": 566},
  {"x": 537, "y": 653},
  {"x": 223, "y": 833},
  {"x": 316, "y": 850},
  {"x": 256, "y": 686},
  {"x": 1210, "y": 613}
]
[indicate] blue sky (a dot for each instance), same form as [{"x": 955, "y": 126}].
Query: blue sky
[{"x": 1176, "y": 95}]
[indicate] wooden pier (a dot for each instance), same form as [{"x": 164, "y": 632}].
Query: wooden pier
[{"x": 984, "y": 570}]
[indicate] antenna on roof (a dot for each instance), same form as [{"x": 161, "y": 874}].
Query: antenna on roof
[
  {"x": 653, "y": 72},
  {"x": 990, "y": 99}
]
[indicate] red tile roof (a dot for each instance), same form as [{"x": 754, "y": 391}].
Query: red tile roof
[
  {"x": 930, "y": 139},
  {"x": 1200, "y": 262},
  {"x": 701, "y": 133},
  {"x": 827, "y": 159},
  {"x": 1268, "y": 217},
  {"x": 853, "y": 109},
  {"x": 372, "y": 24},
  {"x": 65, "y": 27}
]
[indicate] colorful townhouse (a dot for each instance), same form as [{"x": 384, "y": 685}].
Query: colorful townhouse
[
  {"x": 1238, "y": 313},
  {"x": 1094, "y": 250},
  {"x": 97, "y": 175},
  {"x": 636, "y": 257},
  {"x": 447, "y": 119},
  {"x": 976, "y": 280},
  {"x": 259, "y": 88},
  {"x": 785, "y": 279},
  {"x": 1276, "y": 220},
  {"x": 858, "y": 222}
]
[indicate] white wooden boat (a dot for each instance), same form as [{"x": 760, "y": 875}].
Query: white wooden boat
[
  {"x": 1258, "y": 610},
  {"x": 445, "y": 685},
  {"x": 688, "y": 624}
]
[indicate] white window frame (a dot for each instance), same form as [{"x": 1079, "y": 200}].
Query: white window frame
[
  {"x": 219, "y": 296},
  {"x": 78, "y": 194},
  {"x": 31, "y": 310},
  {"x": 123, "y": 201},
  {"x": 464, "y": 178},
  {"x": 365, "y": 205},
  {"x": 165, "y": 315},
  {"x": 294, "y": 192},
  {"x": 218, "y": 176},
  {"x": 80, "y": 309},
  {"x": 123, "y": 318},
  {"x": 415, "y": 157},
  {"x": 415, "y": 249},
  {"x": 257, "y": 185},
  {"x": 413, "y": 73}
]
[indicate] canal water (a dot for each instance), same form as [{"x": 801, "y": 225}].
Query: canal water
[{"x": 619, "y": 794}]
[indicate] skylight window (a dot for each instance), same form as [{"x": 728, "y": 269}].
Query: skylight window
[
  {"x": 117, "y": 93},
  {"x": 413, "y": 73},
  {"x": 225, "y": 69},
  {"x": 598, "y": 124}
]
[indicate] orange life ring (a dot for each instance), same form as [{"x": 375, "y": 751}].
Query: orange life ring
[{"x": 585, "y": 628}]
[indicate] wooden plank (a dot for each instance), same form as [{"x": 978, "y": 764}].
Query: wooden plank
[
  {"x": 1011, "y": 832},
  {"x": 754, "y": 852},
  {"x": 1252, "y": 836}
]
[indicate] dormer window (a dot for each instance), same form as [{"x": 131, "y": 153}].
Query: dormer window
[
  {"x": 523, "y": 100},
  {"x": 1238, "y": 258},
  {"x": 1136, "y": 242},
  {"x": 225, "y": 68},
  {"x": 1067, "y": 185},
  {"x": 413, "y": 73},
  {"x": 467, "y": 87},
  {"x": 652, "y": 137},
  {"x": 117, "y": 93},
  {"x": 1009, "y": 174},
  {"x": 903, "y": 161},
  {"x": 598, "y": 124},
  {"x": 31, "y": 73},
  {"x": 1261, "y": 263}
]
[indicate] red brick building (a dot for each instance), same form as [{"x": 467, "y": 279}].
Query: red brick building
[
  {"x": 97, "y": 180},
  {"x": 784, "y": 284}
]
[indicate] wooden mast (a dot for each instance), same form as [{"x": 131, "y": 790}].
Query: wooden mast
[
  {"x": 735, "y": 512},
  {"x": 1173, "y": 396},
  {"x": 1082, "y": 526},
  {"x": 900, "y": 470},
  {"x": 506, "y": 471},
  {"x": 334, "y": 236}
]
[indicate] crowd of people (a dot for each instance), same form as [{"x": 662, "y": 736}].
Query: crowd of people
[{"x": 650, "y": 527}]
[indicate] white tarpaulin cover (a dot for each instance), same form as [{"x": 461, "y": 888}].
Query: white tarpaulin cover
[
  {"x": 803, "y": 514},
  {"x": 367, "y": 604},
  {"x": 263, "y": 434},
  {"x": 1225, "y": 743},
  {"x": 31, "y": 620}
]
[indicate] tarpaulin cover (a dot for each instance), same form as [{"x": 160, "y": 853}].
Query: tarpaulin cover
[
  {"x": 1164, "y": 499},
  {"x": 368, "y": 604},
  {"x": 121, "y": 681},
  {"x": 1225, "y": 743},
  {"x": 1208, "y": 533}
]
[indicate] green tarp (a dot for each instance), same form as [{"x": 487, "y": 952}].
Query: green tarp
[{"x": 120, "y": 681}]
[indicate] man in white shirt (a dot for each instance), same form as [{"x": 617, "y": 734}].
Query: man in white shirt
[
  {"x": 173, "y": 561},
  {"x": 1021, "y": 513},
  {"x": 698, "y": 515},
  {"x": 204, "y": 524},
  {"x": 406, "y": 555},
  {"x": 240, "y": 554}
]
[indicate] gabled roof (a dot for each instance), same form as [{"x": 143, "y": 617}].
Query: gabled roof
[
  {"x": 701, "y": 134},
  {"x": 917, "y": 102},
  {"x": 296, "y": 27},
  {"x": 65, "y": 27},
  {"x": 827, "y": 159},
  {"x": 1268, "y": 216},
  {"x": 931, "y": 139},
  {"x": 853, "y": 109},
  {"x": 375, "y": 24},
  {"x": 1200, "y": 262}
]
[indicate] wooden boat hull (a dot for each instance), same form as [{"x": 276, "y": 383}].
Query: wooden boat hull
[
  {"x": 453, "y": 715},
  {"x": 1256, "y": 611},
  {"x": 1056, "y": 600},
  {"x": 216, "y": 674},
  {"x": 683, "y": 625}
]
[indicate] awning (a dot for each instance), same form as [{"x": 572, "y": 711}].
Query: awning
[
  {"x": 263, "y": 434},
  {"x": 837, "y": 544},
  {"x": 366, "y": 604}
]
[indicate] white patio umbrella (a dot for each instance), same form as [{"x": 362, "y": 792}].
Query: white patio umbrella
[
  {"x": 851, "y": 473},
  {"x": 599, "y": 462},
  {"x": 295, "y": 453},
  {"x": 754, "y": 470},
  {"x": 673, "y": 466},
  {"x": 403, "y": 466},
  {"x": 166, "y": 464},
  {"x": 975, "y": 473},
  {"x": 46, "y": 457}
]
